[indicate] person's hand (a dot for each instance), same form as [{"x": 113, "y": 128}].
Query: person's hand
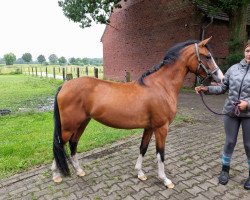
[
  {"x": 243, "y": 105},
  {"x": 199, "y": 89}
]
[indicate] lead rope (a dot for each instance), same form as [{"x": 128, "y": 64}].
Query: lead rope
[
  {"x": 201, "y": 95},
  {"x": 236, "y": 103},
  {"x": 236, "y": 107}
]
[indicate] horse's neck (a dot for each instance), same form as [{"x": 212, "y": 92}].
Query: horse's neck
[{"x": 172, "y": 77}]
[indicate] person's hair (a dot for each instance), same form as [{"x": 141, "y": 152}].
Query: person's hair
[{"x": 247, "y": 44}]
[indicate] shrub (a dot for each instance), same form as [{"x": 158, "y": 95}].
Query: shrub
[
  {"x": 232, "y": 59},
  {"x": 235, "y": 55},
  {"x": 17, "y": 71}
]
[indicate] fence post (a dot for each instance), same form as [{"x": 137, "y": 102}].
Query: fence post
[
  {"x": 36, "y": 71},
  {"x": 54, "y": 72},
  {"x": 78, "y": 72},
  {"x": 96, "y": 72},
  {"x": 128, "y": 77},
  {"x": 29, "y": 70},
  {"x": 32, "y": 70},
  {"x": 46, "y": 71},
  {"x": 87, "y": 71},
  {"x": 63, "y": 72}
]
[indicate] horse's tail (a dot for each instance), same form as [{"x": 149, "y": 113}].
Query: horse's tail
[{"x": 58, "y": 146}]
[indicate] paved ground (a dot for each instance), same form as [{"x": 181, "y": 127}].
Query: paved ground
[{"x": 192, "y": 163}]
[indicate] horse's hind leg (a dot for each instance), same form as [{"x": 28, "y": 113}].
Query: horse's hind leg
[
  {"x": 56, "y": 175},
  {"x": 73, "y": 148},
  {"x": 147, "y": 134}
]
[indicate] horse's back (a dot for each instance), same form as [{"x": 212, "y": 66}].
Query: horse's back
[{"x": 89, "y": 86}]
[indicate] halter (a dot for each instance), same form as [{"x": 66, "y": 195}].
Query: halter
[{"x": 209, "y": 74}]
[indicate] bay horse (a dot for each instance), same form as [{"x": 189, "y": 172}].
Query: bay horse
[{"x": 149, "y": 103}]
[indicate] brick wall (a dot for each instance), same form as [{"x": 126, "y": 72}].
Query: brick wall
[{"x": 141, "y": 33}]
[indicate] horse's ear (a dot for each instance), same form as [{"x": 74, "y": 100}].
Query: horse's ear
[{"x": 204, "y": 42}]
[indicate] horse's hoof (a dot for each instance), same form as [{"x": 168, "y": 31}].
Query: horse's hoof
[
  {"x": 142, "y": 178},
  {"x": 81, "y": 173},
  {"x": 170, "y": 186},
  {"x": 57, "y": 179}
]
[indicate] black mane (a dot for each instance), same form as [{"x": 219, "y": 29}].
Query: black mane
[{"x": 170, "y": 57}]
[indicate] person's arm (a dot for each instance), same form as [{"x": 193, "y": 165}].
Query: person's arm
[{"x": 220, "y": 89}]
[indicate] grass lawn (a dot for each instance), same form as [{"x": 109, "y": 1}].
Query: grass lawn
[
  {"x": 26, "y": 137},
  {"x": 19, "y": 91}
]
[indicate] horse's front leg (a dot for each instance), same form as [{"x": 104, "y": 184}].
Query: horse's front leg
[
  {"x": 160, "y": 138},
  {"x": 147, "y": 134}
]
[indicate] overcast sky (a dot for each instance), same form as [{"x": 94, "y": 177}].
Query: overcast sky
[{"x": 39, "y": 27}]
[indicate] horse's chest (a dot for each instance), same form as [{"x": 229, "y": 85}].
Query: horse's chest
[{"x": 162, "y": 116}]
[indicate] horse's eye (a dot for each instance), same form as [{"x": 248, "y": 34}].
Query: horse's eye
[{"x": 208, "y": 57}]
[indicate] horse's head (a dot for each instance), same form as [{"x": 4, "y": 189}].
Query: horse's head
[{"x": 203, "y": 65}]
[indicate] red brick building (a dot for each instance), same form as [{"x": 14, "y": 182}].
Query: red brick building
[{"x": 141, "y": 32}]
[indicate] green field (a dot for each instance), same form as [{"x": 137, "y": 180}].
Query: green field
[
  {"x": 20, "y": 92},
  {"x": 26, "y": 135}
]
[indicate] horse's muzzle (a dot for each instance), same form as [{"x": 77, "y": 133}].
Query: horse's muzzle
[{"x": 218, "y": 76}]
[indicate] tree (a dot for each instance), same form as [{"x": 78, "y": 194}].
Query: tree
[
  {"x": 19, "y": 61},
  {"x": 85, "y": 61},
  {"x": 96, "y": 61},
  {"x": 237, "y": 13},
  {"x": 78, "y": 61},
  {"x": 87, "y": 11},
  {"x": 9, "y": 58},
  {"x": 27, "y": 57},
  {"x": 72, "y": 61},
  {"x": 62, "y": 60},
  {"x": 53, "y": 59},
  {"x": 41, "y": 59},
  {"x": 2, "y": 61}
]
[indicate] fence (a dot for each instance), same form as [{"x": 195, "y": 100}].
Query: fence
[
  {"x": 64, "y": 73},
  {"x": 59, "y": 72}
]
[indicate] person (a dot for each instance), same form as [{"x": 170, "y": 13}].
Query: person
[{"x": 236, "y": 111}]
